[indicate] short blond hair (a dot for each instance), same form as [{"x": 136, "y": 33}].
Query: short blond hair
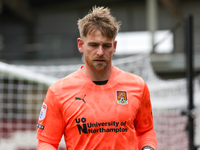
[{"x": 99, "y": 18}]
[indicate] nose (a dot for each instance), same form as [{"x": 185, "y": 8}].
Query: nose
[{"x": 100, "y": 51}]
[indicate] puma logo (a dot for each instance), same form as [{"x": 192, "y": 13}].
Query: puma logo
[{"x": 82, "y": 99}]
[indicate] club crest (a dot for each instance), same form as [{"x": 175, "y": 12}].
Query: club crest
[{"x": 122, "y": 97}]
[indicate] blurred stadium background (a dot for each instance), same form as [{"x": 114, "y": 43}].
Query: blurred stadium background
[{"x": 38, "y": 46}]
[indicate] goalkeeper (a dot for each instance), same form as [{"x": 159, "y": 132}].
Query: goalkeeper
[{"x": 99, "y": 106}]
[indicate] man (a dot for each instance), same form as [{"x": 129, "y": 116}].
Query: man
[{"x": 98, "y": 107}]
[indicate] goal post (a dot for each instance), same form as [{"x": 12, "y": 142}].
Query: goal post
[
  {"x": 21, "y": 93},
  {"x": 26, "y": 74}
]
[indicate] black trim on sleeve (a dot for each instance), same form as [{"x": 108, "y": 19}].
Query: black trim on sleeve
[{"x": 40, "y": 126}]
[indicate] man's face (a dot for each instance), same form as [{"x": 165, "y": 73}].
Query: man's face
[{"x": 98, "y": 50}]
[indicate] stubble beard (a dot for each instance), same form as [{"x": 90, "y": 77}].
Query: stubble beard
[
  {"x": 99, "y": 67},
  {"x": 95, "y": 66}
]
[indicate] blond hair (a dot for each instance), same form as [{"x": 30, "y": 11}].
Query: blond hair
[{"x": 99, "y": 19}]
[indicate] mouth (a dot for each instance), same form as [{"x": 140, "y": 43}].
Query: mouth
[{"x": 99, "y": 61}]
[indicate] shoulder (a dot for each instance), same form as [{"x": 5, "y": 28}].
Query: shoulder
[
  {"x": 123, "y": 76},
  {"x": 65, "y": 83}
]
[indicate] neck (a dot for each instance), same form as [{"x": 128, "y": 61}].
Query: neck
[{"x": 98, "y": 75}]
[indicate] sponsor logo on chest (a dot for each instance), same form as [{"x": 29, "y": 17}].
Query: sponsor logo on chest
[{"x": 100, "y": 127}]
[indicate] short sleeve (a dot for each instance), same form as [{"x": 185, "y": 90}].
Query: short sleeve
[
  {"x": 144, "y": 118},
  {"x": 50, "y": 125}
]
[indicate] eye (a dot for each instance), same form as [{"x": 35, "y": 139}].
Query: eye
[
  {"x": 93, "y": 45},
  {"x": 107, "y": 46}
]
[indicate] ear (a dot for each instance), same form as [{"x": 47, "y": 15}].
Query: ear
[
  {"x": 114, "y": 46},
  {"x": 80, "y": 45}
]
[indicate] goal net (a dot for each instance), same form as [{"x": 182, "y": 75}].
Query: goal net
[{"x": 23, "y": 88}]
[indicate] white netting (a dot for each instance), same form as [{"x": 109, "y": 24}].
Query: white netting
[{"x": 23, "y": 88}]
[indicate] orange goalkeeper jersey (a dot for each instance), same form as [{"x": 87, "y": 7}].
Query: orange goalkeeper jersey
[{"x": 114, "y": 116}]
